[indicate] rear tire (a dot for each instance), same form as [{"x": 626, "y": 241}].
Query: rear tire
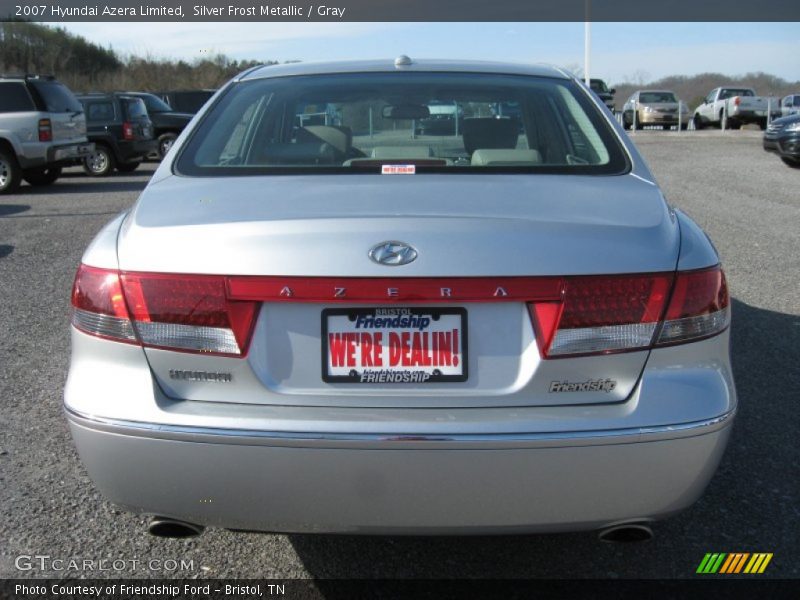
[
  {"x": 792, "y": 162},
  {"x": 666, "y": 127},
  {"x": 698, "y": 122},
  {"x": 10, "y": 173},
  {"x": 101, "y": 163},
  {"x": 41, "y": 176},
  {"x": 128, "y": 167},
  {"x": 165, "y": 142}
]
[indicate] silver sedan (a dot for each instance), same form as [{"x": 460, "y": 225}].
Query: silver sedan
[{"x": 317, "y": 319}]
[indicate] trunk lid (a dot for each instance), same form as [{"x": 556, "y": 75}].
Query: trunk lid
[{"x": 461, "y": 225}]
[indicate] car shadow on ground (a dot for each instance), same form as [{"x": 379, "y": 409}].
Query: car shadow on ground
[
  {"x": 749, "y": 504},
  {"x": 13, "y": 209},
  {"x": 144, "y": 172},
  {"x": 98, "y": 186},
  {"x": 5, "y": 250}
]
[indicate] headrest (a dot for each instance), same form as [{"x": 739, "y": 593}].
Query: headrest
[
  {"x": 490, "y": 133},
  {"x": 505, "y": 158}
]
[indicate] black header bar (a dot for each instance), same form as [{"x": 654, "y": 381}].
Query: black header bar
[{"x": 399, "y": 10}]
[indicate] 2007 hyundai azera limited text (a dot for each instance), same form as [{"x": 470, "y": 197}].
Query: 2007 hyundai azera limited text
[{"x": 317, "y": 318}]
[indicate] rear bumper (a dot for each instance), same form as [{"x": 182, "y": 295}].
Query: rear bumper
[
  {"x": 67, "y": 154},
  {"x": 278, "y": 481},
  {"x": 130, "y": 151}
]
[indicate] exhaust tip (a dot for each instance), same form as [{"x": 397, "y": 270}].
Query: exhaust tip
[
  {"x": 171, "y": 528},
  {"x": 627, "y": 533}
]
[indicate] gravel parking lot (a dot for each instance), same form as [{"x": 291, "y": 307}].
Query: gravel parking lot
[{"x": 746, "y": 199}]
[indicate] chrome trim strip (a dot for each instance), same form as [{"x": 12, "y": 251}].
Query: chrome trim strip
[{"x": 493, "y": 440}]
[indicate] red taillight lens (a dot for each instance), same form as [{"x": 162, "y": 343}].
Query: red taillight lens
[
  {"x": 127, "y": 131},
  {"x": 99, "y": 305},
  {"x": 600, "y": 315},
  {"x": 45, "y": 130},
  {"x": 698, "y": 307},
  {"x": 178, "y": 312},
  {"x": 737, "y": 101},
  {"x": 191, "y": 312}
]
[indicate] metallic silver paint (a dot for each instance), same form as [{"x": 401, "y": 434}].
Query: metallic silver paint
[{"x": 548, "y": 456}]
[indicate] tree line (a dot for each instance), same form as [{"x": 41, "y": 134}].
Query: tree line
[{"x": 85, "y": 66}]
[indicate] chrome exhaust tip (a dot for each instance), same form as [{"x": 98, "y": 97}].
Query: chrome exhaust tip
[
  {"x": 626, "y": 533},
  {"x": 172, "y": 528}
]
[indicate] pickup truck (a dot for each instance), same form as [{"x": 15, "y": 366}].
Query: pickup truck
[{"x": 732, "y": 107}]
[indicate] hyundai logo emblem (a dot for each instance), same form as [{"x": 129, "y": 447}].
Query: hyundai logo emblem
[{"x": 392, "y": 254}]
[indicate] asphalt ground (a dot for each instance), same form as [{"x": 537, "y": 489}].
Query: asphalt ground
[{"x": 748, "y": 202}]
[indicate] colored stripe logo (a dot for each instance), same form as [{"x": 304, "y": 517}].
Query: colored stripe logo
[{"x": 734, "y": 563}]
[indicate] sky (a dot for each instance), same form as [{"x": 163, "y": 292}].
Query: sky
[{"x": 621, "y": 52}]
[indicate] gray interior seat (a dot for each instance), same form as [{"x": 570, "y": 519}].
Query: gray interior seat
[
  {"x": 489, "y": 132},
  {"x": 340, "y": 138},
  {"x": 485, "y": 157}
]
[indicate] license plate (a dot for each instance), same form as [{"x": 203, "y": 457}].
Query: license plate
[{"x": 389, "y": 345}]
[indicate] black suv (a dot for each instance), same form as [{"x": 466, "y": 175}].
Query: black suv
[
  {"x": 599, "y": 87},
  {"x": 187, "y": 101},
  {"x": 121, "y": 130},
  {"x": 167, "y": 123}
]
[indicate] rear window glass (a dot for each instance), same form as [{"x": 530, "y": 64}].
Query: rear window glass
[
  {"x": 442, "y": 122},
  {"x": 135, "y": 108},
  {"x": 154, "y": 104},
  {"x": 57, "y": 97},
  {"x": 730, "y": 93},
  {"x": 14, "y": 97}
]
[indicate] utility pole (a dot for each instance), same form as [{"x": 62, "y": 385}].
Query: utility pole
[{"x": 587, "y": 42}]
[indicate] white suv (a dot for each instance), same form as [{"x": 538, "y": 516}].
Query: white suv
[{"x": 42, "y": 128}]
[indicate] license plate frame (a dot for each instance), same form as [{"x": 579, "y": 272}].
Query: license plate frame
[{"x": 434, "y": 376}]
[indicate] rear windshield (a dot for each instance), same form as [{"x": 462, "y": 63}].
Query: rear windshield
[
  {"x": 656, "y": 97},
  {"x": 135, "y": 107},
  {"x": 57, "y": 97},
  {"x": 155, "y": 104},
  {"x": 731, "y": 92},
  {"x": 435, "y": 122}
]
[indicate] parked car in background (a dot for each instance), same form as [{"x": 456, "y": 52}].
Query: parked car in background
[
  {"x": 783, "y": 138},
  {"x": 599, "y": 87},
  {"x": 186, "y": 101},
  {"x": 296, "y": 329},
  {"x": 732, "y": 107},
  {"x": 42, "y": 129},
  {"x": 167, "y": 123},
  {"x": 655, "y": 107},
  {"x": 121, "y": 131},
  {"x": 790, "y": 105}
]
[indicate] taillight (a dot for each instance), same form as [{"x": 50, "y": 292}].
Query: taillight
[
  {"x": 127, "y": 131},
  {"x": 177, "y": 312},
  {"x": 698, "y": 307},
  {"x": 737, "y": 101},
  {"x": 98, "y": 305},
  {"x": 601, "y": 315},
  {"x": 45, "y": 130}
]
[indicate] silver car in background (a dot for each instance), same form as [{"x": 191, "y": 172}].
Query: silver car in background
[
  {"x": 655, "y": 107},
  {"x": 346, "y": 326}
]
